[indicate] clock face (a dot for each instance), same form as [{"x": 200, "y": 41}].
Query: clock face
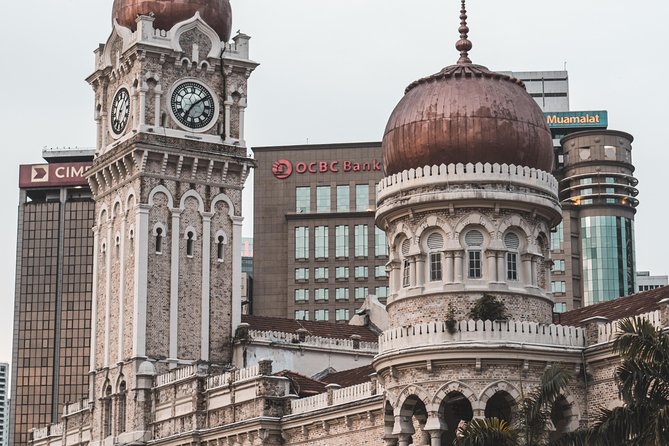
[
  {"x": 193, "y": 105},
  {"x": 120, "y": 110}
]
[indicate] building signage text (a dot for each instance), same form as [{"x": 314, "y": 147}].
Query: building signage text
[
  {"x": 55, "y": 174},
  {"x": 595, "y": 119},
  {"x": 283, "y": 169}
]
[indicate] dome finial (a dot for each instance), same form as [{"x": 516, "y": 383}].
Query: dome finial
[{"x": 464, "y": 44}]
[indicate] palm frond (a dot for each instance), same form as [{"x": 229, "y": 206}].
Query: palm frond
[{"x": 486, "y": 432}]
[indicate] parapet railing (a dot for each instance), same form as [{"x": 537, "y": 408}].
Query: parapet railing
[
  {"x": 338, "y": 397},
  {"x": 71, "y": 408},
  {"x": 48, "y": 431},
  {"x": 608, "y": 331},
  {"x": 315, "y": 341},
  {"x": 175, "y": 375},
  {"x": 434, "y": 333},
  {"x": 228, "y": 378},
  {"x": 456, "y": 173}
]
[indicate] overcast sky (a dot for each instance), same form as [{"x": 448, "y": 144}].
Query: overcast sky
[{"x": 332, "y": 71}]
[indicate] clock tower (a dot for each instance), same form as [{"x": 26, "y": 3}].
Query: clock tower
[{"x": 170, "y": 95}]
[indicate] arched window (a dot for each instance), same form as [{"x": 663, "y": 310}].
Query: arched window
[
  {"x": 107, "y": 412},
  {"x": 512, "y": 243},
  {"x": 474, "y": 242},
  {"x": 406, "y": 265},
  {"x": 159, "y": 240},
  {"x": 190, "y": 239},
  {"x": 219, "y": 247},
  {"x": 121, "y": 406},
  {"x": 435, "y": 243}
]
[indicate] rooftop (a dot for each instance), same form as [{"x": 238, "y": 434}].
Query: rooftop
[{"x": 313, "y": 328}]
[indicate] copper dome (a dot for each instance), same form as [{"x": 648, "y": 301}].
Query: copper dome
[
  {"x": 466, "y": 114},
  {"x": 216, "y": 13}
]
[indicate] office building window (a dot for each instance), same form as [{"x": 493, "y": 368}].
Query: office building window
[
  {"x": 435, "y": 267},
  {"x": 322, "y": 315},
  {"x": 321, "y": 242},
  {"x": 558, "y": 265},
  {"x": 361, "y": 272},
  {"x": 301, "y": 295},
  {"x": 361, "y": 244},
  {"x": 557, "y": 237},
  {"x": 302, "y": 242},
  {"x": 301, "y": 273},
  {"x": 341, "y": 272},
  {"x": 343, "y": 198},
  {"x": 361, "y": 197},
  {"x": 559, "y": 307},
  {"x": 583, "y": 181},
  {"x": 302, "y": 315},
  {"x": 381, "y": 292},
  {"x": 559, "y": 287},
  {"x": 302, "y": 200},
  {"x": 341, "y": 236},
  {"x": 380, "y": 271},
  {"x": 341, "y": 294},
  {"x": 512, "y": 243},
  {"x": 361, "y": 293},
  {"x": 321, "y": 273},
  {"x": 380, "y": 243},
  {"x": 474, "y": 241},
  {"x": 321, "y": 295},
  {"x": 342, "y": 314},
  {"x": 323, "y": 199}
]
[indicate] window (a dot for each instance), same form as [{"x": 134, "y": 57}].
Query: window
[
  {"x": 301, "y": 273},
  {"x": 406, "y": 273},
  {"x": 159, "y": 240},
  {"x": 557, "y": 237},
  {"x": 321, "y": 295},
  {"x": 301, "y": 295},
  {"x": 558, "y": 265},
  {"x": 610, "y": 180},
  {"x": 341, "y": 294},
  {"x": 435, "y": 266},
  {"x": 322, "y": 315},
  {"x": 302, "y": 200},
  {"x": 341, "y": 236},
  {"x": 361, "y": 272},
  {"x": 361, "y": 197},
  {"x": 474, "y": 241},
  {"x": 559, "y": 307},
  {"x": 107, "y": 413},
  {"x": 512, "y": 243},
  {"x": 380, "y": 271},
  {"x": 361, "y": 293},
  {"x": 381, "y": 292},
  {"x": 380, "y": 243},
  {"x": 302, "y": 242},
  {"x": 361, "y": 246},
  {"x": 583, "y": 181},
  {"x": 587, "y": 191},
  {"x": 341, "y": 272},
  {"x": 342, "y": 314},
  {"x": 121, "y": 407},
  {"x": 302, "y": 315},
  {"x": 323, "y": 199},
  {"x": 219, "y": 247},
  {"x": 321, "y": 273},
  {"x": 190, "y": 240},
  {"x": 343, "y": 198},
  {"x": 321, "y": 242},
  {"x": 559, "y": 287}
]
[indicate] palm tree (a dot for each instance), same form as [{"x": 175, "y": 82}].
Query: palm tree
[
  {"x": 643, "y": 385},
  {"x": 534, "y": 414}
]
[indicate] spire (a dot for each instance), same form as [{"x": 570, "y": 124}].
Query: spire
[{"x": 463, "y": 45}]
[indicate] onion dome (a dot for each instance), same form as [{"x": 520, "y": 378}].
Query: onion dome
[
  {"x": 466, "y": 114},
  {"x": 216, "y": 13}
]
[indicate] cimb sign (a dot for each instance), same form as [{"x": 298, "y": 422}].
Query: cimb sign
[
  {"x": 283, "y": 169},
  {"x": 55, "y": 174}
]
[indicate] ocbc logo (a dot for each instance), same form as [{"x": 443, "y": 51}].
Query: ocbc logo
[{"x": 282, "y": 169}]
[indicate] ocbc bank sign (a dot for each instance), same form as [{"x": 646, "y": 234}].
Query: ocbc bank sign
[{"x": 283, "y": 169}]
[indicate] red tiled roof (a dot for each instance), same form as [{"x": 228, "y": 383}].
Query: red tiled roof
[
  {"x": 302, "y": 385},
  {"x": 639, "y": 303},
  {"x": 322, "y": 329},
  {"x": 351, "y": 377}
]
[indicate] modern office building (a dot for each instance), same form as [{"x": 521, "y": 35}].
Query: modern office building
[
  {"x": 314, "y": 219},
  {"x": 4, "y": 406},
  {"x": 645, "y": 281},
  {"x": 52, "y": 308},
  {"x": 549, "y": 89}
]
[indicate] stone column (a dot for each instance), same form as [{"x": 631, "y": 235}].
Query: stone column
[
  {"x": 533, "y": 264},
  {"x": 491, "y": 257},
  {"x": 156, "y": 97},
  {"x": 236, "y": 272},
  {"x": 434, "y": 427},
  {"x": 412, "y": 271},
  {"x": 501, "y": 270},
  {"x": 121, "y": 290},
  {"x": 228, "y": 107},
  {"x": 108, "y": 260},
  {"x": 242, "y": 113},
  {"x": 458, "y": 266},
  {"x": 206, "y": 284},
  {"x": 404, "y": 440},
  {"x": 449, "y": 267},
  {"x": 527, "y": 269},
  {"x": 420, "y": 270},
  {"x": 141, "y": 279},
  {"x": 94, "y": 315},
  {"x": 174, "y": 287},
  {"x": 142, "y": 104}
]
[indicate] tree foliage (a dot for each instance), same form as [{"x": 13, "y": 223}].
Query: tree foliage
[{"x": 488, "y": 308}]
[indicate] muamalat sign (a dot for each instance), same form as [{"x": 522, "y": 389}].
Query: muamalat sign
[{"x": 283, "y": 169}]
